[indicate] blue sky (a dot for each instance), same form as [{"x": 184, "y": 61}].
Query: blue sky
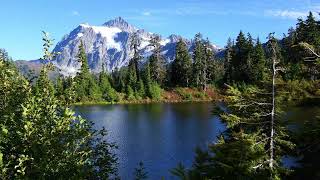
[{"x": 23, "y": 21}]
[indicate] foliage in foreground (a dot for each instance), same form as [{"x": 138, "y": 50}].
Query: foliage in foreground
[{"x": 41, "y": 138}]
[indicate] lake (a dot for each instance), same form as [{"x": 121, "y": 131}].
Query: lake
[
  {"x": 162, "y": 135},
  {"x": 159, "y": 135}
]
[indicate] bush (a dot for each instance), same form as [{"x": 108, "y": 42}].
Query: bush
[
  {"x": 184, "y": 94},
  {"x": 111, "y": 95},
  {"x": 299, "y": 89},
  {"x": 41, "y": 138},
  {"x": 154, "y": 91},
  {"x": 130, "y": 94},
  {"x": 141, "y": 92},
  {"x": 200, "y": 95}
]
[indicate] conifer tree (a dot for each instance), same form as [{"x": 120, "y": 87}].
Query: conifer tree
[
  {"x": 147, "y": 79},
  {"x": 82, "y": 58},
  {"x": 152, "y": 88},
  {"x": 157, "y": 66},
  {"x": 308, "y": 30},
  {"x": 240, "y": 59},
  {"x": 208, "y": 62},
  {"x": 140, "y": 172},
  {"x": 227, "y": 62},
  {"x": 249, "y": 57},
  {"x": 135, "y": 44},
  {"x": 141, "y": 89},
  {"x": 181, "y": 66},
  {"x": 86, "y": 86},
  {"x": 198, "y": 60},
  {"x": 258, "y": 63},
  {"x": 130, "y": 93},
  {"x": 108, "y": 93},
  {"x": 132, "y": 76},
  {"x": 216, "y": 71}
]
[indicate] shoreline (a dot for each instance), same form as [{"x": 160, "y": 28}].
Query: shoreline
[
  {"x": 178, "y": 95},
  {"x": 146, "y": 101}
]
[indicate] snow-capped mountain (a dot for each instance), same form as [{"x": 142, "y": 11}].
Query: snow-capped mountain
[{"x": 108, "y": 46}]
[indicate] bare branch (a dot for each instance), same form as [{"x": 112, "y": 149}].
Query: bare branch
[
  {"x": 255, "y": 103},
  {"x": 280, "y": 69},
  {"x": 259, "y": 165},
  {"x": 263, "y": 140},
  {"x": 263, "y": 122},
  {"x": 264, "y": 115},
  {"x": 312, "y": 51}
]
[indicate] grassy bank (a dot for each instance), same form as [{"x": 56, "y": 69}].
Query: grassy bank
[{"x": 175, "y": 95}]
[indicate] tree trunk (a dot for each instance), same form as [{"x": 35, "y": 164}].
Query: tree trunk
[{"x": 272, "y": 113}]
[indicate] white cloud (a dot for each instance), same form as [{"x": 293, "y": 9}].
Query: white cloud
[
  {"x": 146, "y": 13},
  {"x": 75, "y": 13},
  {"x": 286, "y": 14}
]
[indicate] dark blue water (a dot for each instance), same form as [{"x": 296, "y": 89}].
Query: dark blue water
[{"x": 159, "y": 135}]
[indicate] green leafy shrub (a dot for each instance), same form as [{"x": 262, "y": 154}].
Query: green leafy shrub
[
  {"x": 130, "y": 94},
  {"x": 155, "y": 91},
  {"x": 184, "y": 94},
  {"x": 200, "y": 95},
  {"x": 41, "y": 138}
]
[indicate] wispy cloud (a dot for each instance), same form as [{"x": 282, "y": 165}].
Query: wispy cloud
[
  {"x": 75, "y": 13},
  {"x": 286, "y": 14},
  {"x": 263, "y": 8},
  {"x": 292, "y": 14},
  {"x": 194, "y": 8},
  {"x": 146, "y": 13}
]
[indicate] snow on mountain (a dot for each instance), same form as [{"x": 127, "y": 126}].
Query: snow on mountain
[
  {"x": 109, "y": 33},
  {"x": 108, "y": 45}
]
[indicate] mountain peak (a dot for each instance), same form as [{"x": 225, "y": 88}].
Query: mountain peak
[{"x": 120, "y": 23}]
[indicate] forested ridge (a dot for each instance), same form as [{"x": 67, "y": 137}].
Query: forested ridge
[{"x": 42, "y": 138}]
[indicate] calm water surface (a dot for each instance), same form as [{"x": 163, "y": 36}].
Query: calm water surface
[
  {"x": 162, "y": 135},
  {"x": 159, "y": 135}
]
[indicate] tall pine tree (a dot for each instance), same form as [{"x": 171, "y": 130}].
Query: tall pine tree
[
  {"x": 181, "y": 73},
  {"x": 157, "y": 62},
  {"x": 86, "y": 87},
  {"x": 258, "y": 67},
  {"x": 227, "y": 62},
  {"x": 198, "y": 60}
]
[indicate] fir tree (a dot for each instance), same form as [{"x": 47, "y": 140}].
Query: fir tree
[
  {"x": 108, "y": 93},
  {"x": 308, "y": 30},
  {"x": 132, "y": 76},
  {"x": 157, "y": 67},
  {"x": 130, "y": 93},
  {"x": 227, "y": 62},
  {"x": 208, "y": 63},
  {"x": 135, "y": 44},
  {"x": 198, "y": 60},
  {"x": 152, "y": 88},
  {"x": 181, "y": 66},
  {"x": 240, "y": 59},
  {"x": 258, "y": 63},
  {"x": 86, "y": 87},
  {"x": 140, "y": 172},
  {"x": 141, "y": 89}
]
